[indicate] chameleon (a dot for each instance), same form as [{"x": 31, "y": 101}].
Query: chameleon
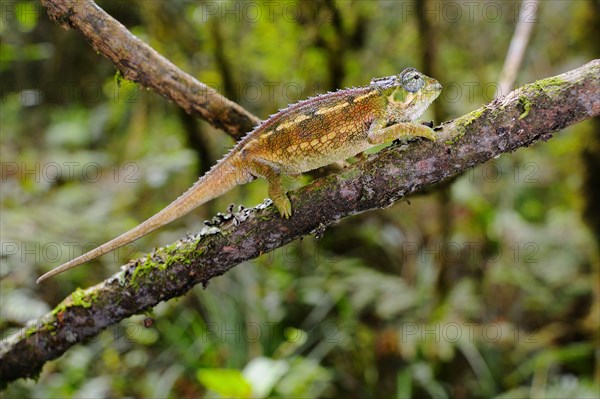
[{"x": 307, "y": 135}]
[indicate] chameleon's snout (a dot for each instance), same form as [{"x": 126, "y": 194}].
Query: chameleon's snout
[
  {"x": 434, "y": 87},
  {"x": 433, "y": 84}
]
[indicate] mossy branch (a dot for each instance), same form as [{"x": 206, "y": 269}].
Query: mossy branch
[
  {"x": 140, "y": 63},
  {"x": 527, "y": 115}
]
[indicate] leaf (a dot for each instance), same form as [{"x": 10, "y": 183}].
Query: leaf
[
  {"x": 264, "y": 373},
  {"x": 228, "y": 383}
]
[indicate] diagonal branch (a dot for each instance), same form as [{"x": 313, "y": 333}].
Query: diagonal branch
[
  {"x": 520, "y": 119},
  {"x": 140, "y": 63}
]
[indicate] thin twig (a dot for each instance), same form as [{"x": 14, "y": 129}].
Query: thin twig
[{"x": 518, "y": 45}]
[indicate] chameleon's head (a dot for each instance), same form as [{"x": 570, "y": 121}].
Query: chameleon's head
[{"x": 411, "y": 91}]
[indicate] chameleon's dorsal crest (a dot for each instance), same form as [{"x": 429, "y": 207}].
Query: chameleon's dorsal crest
[{"x": 386, "y": 82}]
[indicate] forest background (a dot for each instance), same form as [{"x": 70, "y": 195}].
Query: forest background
[{"x": 485, "y": 287}]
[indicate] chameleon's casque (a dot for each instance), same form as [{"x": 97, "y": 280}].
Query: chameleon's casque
[{"x": 307, "y": 135}]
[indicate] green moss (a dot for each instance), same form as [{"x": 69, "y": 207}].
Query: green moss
[
  {"x": 79, "y": 297},
  {"x": 526, "y": 103},
  {"x": 143, "y": 269},
  {"x": 549, "y": 85},
  {"x": 473, "y": 116},
  {"x": 170, "y": 255},
  {"x": 33, "y": 329},
  {"x": 50, "y": 326},
  {"x": 30, "y": 331},
  {"x": 464, "y": 123},
  {"x": 61, "y": 307},
  {"x": 82, "y": 298}
]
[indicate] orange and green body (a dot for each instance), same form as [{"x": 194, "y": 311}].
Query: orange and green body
[{"x": 305, "y": 136}]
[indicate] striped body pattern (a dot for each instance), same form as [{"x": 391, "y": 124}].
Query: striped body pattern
[{"x": 318, "y": 131}]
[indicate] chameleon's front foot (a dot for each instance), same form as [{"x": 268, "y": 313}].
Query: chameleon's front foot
[
  {"x": 283, "y": 205},
  {"x": 404, "y": 130}
]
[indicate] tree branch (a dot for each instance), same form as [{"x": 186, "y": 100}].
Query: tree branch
[
  {"x": 520, "y": 119},
  {"x": 140, "y": 63}
]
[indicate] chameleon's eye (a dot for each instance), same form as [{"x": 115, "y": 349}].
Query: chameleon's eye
[{"x": 412, "y": 82}]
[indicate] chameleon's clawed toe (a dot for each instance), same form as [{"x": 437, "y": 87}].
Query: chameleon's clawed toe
[
  {"x": 284, "y": 206},
  {"x": 427, "y": 133}
]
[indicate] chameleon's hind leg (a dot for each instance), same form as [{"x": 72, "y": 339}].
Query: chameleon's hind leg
[
  {"x": 380, "y": 134},
  {"x": 277, "y": 193}
]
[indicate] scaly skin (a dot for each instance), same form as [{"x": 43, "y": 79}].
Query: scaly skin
[{"x": 305, "y": 136}]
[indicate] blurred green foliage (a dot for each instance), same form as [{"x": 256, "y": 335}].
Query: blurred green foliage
[{"x": 487, "y": 289}]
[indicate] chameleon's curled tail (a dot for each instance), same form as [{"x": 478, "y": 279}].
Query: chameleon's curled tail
[{"x": 220, "y": 179}]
